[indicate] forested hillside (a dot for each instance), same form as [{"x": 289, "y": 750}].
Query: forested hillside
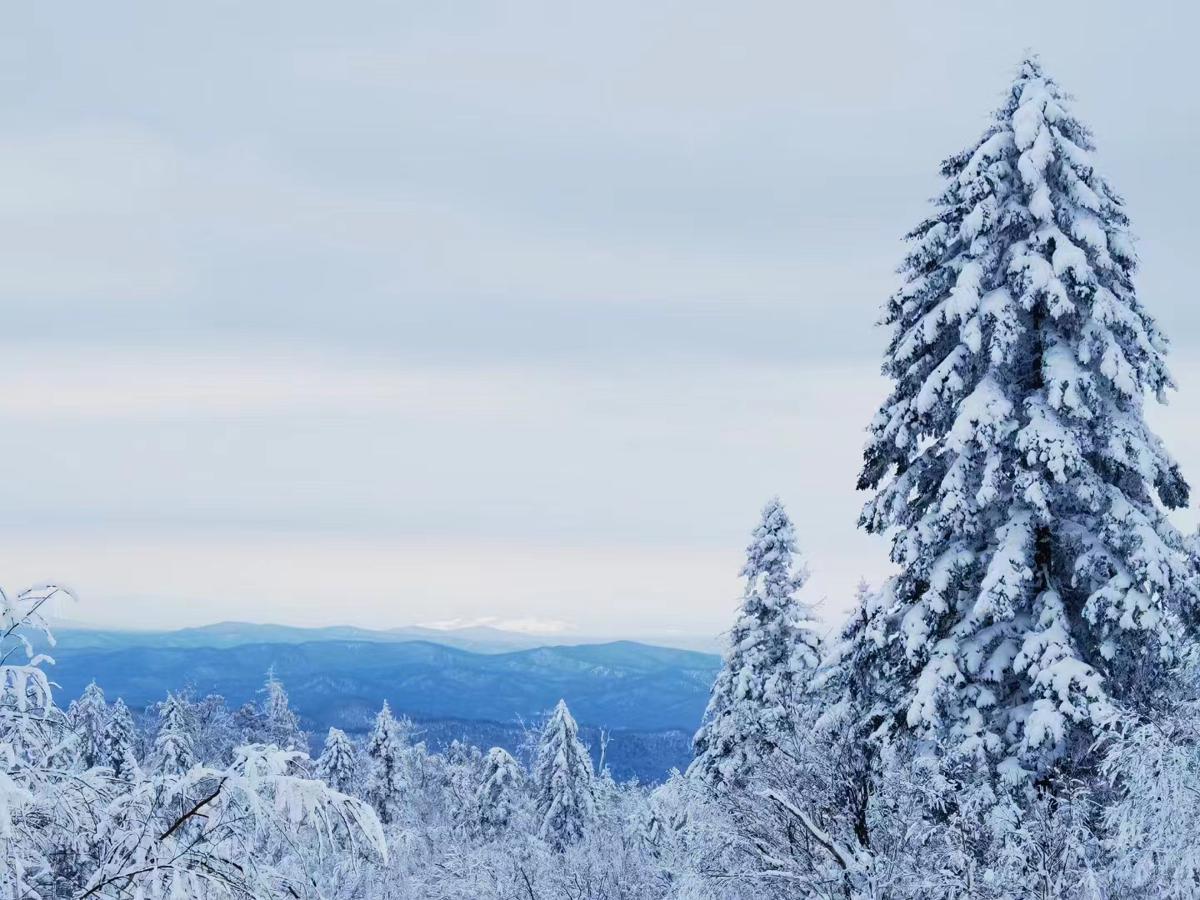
[{"x": 647, "y": 699}]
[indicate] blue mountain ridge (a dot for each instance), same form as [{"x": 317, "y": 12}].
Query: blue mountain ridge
[
  {"x": 480, "y": 639},
  {"x": 649, "y": 698}
]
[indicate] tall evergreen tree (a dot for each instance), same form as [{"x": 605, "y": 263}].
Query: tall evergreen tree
[
  {"x": 563, "y": 781},
  {"x": 1041, "y": 584},
  {"x": 173, "y": 751},
  {"x": 384, "y": 787},
  {"x": 88, "y": 716},
  {"x": 499, "y": 799},
  {"x": 774, "y": 647},
  {"x": 337, "y": 765},
  {"x": 120, "y": 738}
]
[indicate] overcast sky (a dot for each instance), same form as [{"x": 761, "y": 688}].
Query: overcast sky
[{"x": 387, "y": 313}]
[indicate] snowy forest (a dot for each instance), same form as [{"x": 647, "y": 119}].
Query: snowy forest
[{"x": 1014, "y": 714}]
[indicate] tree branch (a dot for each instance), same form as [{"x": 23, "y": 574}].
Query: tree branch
[
  {"x": 191, "y": 812},
  {"x": 845, "y": 857}
]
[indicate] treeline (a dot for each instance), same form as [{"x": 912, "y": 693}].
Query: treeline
[{"x": 215, "y": 730}]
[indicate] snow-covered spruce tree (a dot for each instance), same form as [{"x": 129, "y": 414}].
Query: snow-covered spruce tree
[
  {"x": 120, "y": 737},
  {"x": 281, "y": 725},
  {"x": 563, "y": 781},
  {"x": 1041, "y": 583},
  {"x": 501, "y": 793},
  {"x": 173, "y": 752},
  {"x": 384, "y": 787},
  {"x": 774, "y": 647},
  {"x": 88, "y": 717},
  {"x": 337, "y": 765}
]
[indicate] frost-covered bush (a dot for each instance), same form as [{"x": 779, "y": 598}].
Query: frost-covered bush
[{"x": 80, "y": 817}]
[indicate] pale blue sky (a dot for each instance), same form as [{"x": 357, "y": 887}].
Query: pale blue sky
[{"x": 386, "y": 312}]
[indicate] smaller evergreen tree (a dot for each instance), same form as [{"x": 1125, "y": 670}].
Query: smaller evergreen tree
[
  {"x": 774, "y": 648},
  {"x": 88, "y": 716},
  {"x": 337, "y": 765},
  {"x": 564, "y": 782},
  {"x": 385, "y": 766},
  {"x": 120, "y": 737},
  {"x": 173, "y": 750},
  {"x": 281, "y": 725},
  {"x": 501, "y": 794}
]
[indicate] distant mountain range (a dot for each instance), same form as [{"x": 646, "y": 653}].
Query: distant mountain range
[
  {"x": 463, "y": 683},
  {"x": 478, "y": 639}
]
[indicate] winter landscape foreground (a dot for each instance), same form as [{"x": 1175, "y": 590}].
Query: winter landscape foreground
[{"x": 1014, "y": 714}]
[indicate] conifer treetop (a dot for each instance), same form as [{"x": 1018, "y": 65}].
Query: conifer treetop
[
  {"x": 174, "y": 753},
  {"x": 563, "y": 777},
  {"x": 1011, "y": 462},
  {"x": 499, "y": 796},
  {"x": 337, "y": 763},
  {"x": 774, "y": 647}
]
